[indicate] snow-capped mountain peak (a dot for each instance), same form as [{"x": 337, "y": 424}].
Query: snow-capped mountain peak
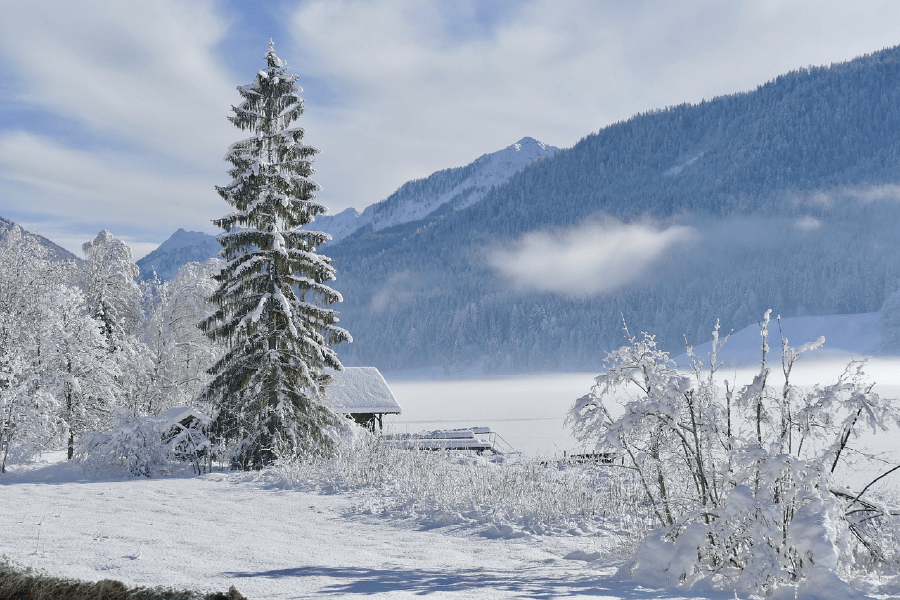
[
  {"x": 459, "y": 187},
  {"x": 182, "y": 247}
]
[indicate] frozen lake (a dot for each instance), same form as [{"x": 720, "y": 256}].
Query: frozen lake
[{"x": 529, "y": 412}]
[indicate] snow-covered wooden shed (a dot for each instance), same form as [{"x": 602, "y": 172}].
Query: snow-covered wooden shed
[
  {"x": 184, "y": 416},
  {"x": 363, "y": 394}
]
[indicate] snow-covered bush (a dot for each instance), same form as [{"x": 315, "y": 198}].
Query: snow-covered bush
[
  {"x": 144, "y": 446},
  {"x": 28, "y": 421},
  {"x": 741, "y": 482},
  {"x": 510, "y": 495}
]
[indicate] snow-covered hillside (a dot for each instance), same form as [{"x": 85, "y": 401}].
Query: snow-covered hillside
[
  {"x": 181, "y": 248},
  {"x": 456, "y": 188},
  {"x": 54, "y": 251}
]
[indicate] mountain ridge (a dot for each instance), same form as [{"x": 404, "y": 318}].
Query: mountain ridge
[
  {"x": 786, "y": 197},
  {"x": 56, "y": 252},
  {"x": 458, "y": 187},
  {"x": 180, "y": 248},
  {"x": 452, "y": 188}
]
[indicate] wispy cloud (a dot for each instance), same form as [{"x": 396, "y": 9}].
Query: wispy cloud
[
  {"x": 399, "y": 288},
  {"x": 142, "y": 73},
  {"x": 122, "y": 120},
  {"x": 426, "y": 84},
  {"x": 863, "y": 194},
  {"x": 71, "y": 190},
  {"x": 807, "y": 223},
  {"x": 592, "y": 259}
]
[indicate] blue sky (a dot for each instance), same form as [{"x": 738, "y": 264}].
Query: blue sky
[{"x": 113, "y": 114}]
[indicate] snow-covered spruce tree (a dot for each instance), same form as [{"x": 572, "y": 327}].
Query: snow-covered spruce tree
[{"x": 272, "y": 299}]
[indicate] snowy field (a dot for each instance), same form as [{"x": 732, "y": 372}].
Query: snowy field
[
  {"x": 272, "y": 541},
  {"x": 529, "y": 412},
  {"x": 218, "y": 530}
]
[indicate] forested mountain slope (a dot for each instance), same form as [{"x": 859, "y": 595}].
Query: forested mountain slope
[{"x": 786, "y": 197}]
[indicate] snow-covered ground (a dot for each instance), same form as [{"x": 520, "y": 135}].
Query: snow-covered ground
[
  {"x": 224, "y": 529},
  {"x": 276, "y": 541}
]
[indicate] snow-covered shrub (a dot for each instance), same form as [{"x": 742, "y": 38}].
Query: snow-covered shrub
[
  {"x": 509, "y": 494},
  {"x": 144, "y": 446},
  {"x": 741, "y": 482},
  {"x": 27, "y": 422}
]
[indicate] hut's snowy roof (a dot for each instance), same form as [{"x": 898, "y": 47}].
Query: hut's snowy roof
[
  {"x": 179, "y": 413},
  {"x": 358, "y": 390}
]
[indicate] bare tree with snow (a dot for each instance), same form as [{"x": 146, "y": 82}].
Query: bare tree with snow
[
  {"x": 742, "y": 482},
  {"x": 178, "y": 353},
  {"x": 114, "y": 300},
  {"x": 28, "y": 411}
]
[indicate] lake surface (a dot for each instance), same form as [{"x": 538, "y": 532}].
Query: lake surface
[{"x": 529, "y": 412}]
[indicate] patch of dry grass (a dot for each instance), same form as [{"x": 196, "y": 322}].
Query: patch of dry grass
[{"x": 24, "y": 583}]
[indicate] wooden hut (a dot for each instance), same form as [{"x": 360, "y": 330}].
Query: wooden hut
[{"x": 362, "y": 394}]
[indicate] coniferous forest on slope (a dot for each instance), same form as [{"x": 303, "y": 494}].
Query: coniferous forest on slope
[{"x": 791, "y": 193}]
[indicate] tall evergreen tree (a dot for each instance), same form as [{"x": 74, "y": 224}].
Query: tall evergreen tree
[{"x": 272, "y": 299}]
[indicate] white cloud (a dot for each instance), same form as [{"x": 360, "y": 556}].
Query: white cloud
[
  {"x": 862, "y": 194},
  {"x": 125, "y": 125},
  {"x": 143, "y": 73},
  {"x": 807, "y": 223},
  {"x": 82, "y": 192},
  {"x": 588, "y": 260},
  {"x": 396, "y": 89},
  {"x": 875, "y": 193}
]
